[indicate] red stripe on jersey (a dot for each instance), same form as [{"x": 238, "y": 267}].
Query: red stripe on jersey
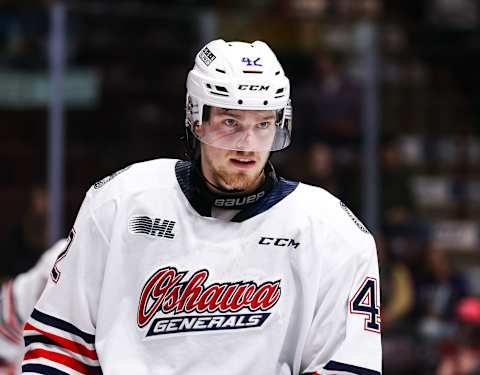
[
  {"x": 9, "y": 329},
  {"x": 73, "y": 346},
  {"x": 9, "y": 336},
  {"x": 62, "y": 359},
  {"x": 11, "y": 316}
]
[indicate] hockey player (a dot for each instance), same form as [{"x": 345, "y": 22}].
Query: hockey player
[
  {"x": 17, "y": 298},
  {"x": 214, "y": 265}
]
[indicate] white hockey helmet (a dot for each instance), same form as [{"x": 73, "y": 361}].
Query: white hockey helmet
[{"x": 238, "y": 76}]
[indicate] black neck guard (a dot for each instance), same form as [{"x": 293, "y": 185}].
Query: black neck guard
[
  {"x": 234, "y": 200},
  {"x": 275, "y": 188},
  {"x": 203, "y": 199}
]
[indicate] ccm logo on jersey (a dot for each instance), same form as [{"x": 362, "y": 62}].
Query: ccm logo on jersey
[
  {"x": 153, "y": 227},
  {"x": 172, "y": 302},
  {"x": 278, "y": 242}
]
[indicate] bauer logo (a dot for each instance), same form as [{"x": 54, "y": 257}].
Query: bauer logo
[
  {"x": 207, "y": 56},
  {"x": 155, "y": 227},
  {"x": 173, "y": 302},
  {"x": 238, "y": 202}
]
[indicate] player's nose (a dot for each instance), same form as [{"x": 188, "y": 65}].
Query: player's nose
[{"x": 245, "y": 140}]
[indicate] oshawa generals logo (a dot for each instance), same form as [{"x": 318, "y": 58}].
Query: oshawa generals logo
[{"x": 171, "y": 302}]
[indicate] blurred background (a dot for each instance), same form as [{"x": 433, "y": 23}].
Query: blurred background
[{"x": 386, "y": 116}]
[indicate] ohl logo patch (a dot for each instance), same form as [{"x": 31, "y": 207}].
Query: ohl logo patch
[
  {"x": 173, "y": 302},
  {"x": 155, "y": 227}
]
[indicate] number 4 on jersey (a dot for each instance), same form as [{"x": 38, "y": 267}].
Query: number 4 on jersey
[
  {"x": 55, "y": 273},
  {"x": 366, "y": 302}
]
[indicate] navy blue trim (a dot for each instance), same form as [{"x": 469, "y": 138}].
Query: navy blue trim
[
  {"x": 338, "y": 366},
  {"x": 39, "y": 338},
  {"x": 63, "y": 325},
  {"x": 184, "y": 174},
  {"x": 42, "y": 369},
  {"x": 279, "y": 191}
]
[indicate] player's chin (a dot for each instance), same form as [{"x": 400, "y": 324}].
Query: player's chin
[{"x": 240, "y": 181}]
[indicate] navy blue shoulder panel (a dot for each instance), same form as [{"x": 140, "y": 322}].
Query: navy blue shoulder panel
[{"x": 281, "y": 189}]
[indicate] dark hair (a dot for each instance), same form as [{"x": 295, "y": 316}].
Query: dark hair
[{"x": 206, "y": 113}]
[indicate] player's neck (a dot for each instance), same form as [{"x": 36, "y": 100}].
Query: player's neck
[{"x": 216, "y": 196}]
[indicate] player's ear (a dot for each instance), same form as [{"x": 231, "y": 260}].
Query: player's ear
[{"x": 198, "y": 129}]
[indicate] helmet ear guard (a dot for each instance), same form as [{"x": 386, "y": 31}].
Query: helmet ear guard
[
  {"x": 192, "y": 150},
  {"x": 190, "y": 144},
  {"x": 237, "y": 76}
]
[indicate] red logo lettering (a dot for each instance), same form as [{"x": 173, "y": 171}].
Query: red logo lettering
[{"x": 169, "y": 290}]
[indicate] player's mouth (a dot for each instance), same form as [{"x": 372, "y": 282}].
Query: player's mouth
[{"x": 243, "y": 162}]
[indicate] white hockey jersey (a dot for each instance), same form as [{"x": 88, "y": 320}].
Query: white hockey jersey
[
  {"x": 17, "y": 299},
  {"x": 147, "y": 285}
]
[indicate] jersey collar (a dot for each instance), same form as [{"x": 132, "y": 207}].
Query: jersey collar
[{"x": 194, "y": 189}]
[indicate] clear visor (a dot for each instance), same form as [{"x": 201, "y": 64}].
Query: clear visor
[{"x": 244, "y": 130}]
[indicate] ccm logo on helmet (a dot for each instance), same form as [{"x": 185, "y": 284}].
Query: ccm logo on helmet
[{"x": 253, "y": 87}]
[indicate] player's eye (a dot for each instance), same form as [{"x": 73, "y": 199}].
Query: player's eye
[
  {"x": 264, "y": 125},
  {"x": 230, "y": 122}
]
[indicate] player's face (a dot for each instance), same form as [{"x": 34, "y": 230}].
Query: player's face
[
  {"x": 238, "y": 169},
  {"x": 240, "y": 130}
]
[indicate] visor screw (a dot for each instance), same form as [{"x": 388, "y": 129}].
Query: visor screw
[
  {"x": 240, "y": 101},
  {"x": 265, "y": 102}
]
